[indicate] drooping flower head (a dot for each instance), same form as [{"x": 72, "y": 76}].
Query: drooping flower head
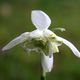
[{"x": 42, "y": 40}]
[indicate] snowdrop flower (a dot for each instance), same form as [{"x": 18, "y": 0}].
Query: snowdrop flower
[{"x": 42, "y": 40}]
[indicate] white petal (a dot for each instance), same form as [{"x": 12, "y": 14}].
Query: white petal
[
  {"x": 48, "y": 33},
  {"x": 70, "y": 45},
  {"x": 61, "y": 29},
  {"x": 16, "y": 41},
  {"x": 47, "y": 62},
  {"x": 36, "y": 34},
  {"x": 40, "y": 19}
]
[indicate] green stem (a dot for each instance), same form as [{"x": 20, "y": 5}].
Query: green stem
[
  {"x": 43, "y": 75},
  {"x": 43, "y": 78}
]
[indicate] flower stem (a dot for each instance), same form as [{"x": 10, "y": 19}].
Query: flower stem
[{"x": 43, "y": 77}]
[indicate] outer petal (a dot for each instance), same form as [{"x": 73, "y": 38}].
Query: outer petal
[
  {"x": 16, "y": 41},
  {"x": 48, "y": 33},
  {"x": 40, "y": 19},
  {"x": 36, "y": 34},
  {"x": 47, "y": 62},
  {"x": 70, "y": 45}
]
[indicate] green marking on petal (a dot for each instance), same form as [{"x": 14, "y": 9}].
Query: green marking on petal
[{"x": 53, "y": 36}]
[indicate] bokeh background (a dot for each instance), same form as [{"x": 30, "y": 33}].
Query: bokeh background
[{"x": 15, "y": 18}]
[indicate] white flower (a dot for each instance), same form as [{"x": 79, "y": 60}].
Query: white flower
[{"x": 41, "y": 40}]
